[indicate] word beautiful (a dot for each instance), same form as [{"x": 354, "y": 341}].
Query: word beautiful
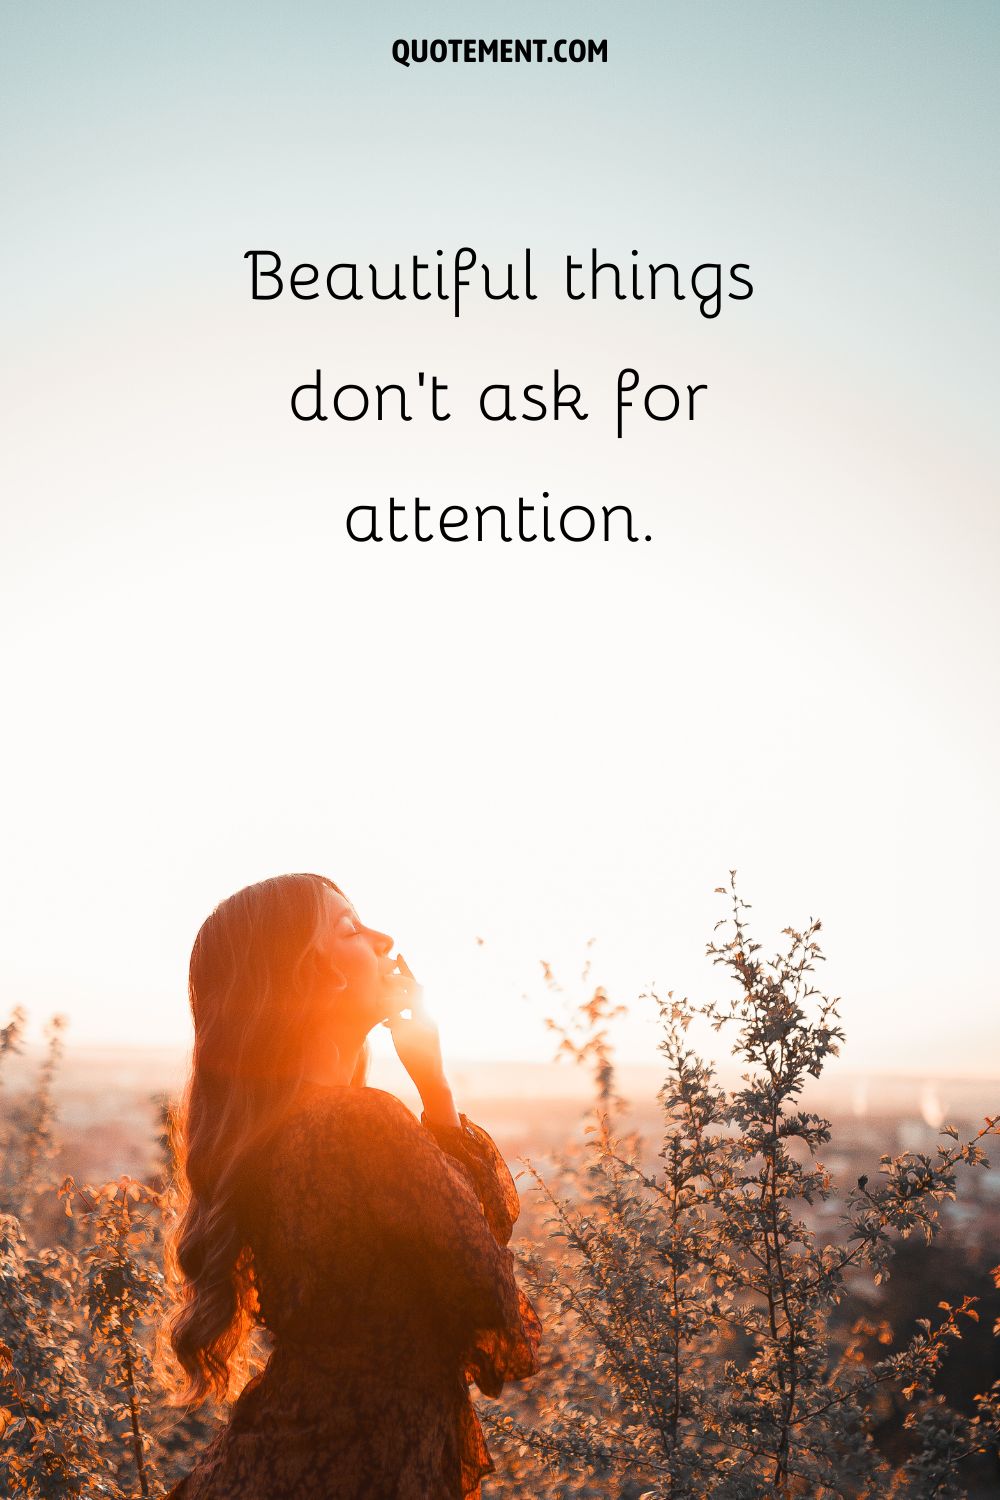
[
  {"x": 456, "y": 523},
  {"x": 448, "y": 278}
]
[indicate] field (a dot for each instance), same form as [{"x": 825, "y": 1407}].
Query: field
[{"x": 766, "y": 1281}]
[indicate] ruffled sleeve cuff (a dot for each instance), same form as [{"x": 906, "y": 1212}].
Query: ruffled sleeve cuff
[
  {"x": 510, "y": 1352},
  {"x": 474, "y": 1149}
]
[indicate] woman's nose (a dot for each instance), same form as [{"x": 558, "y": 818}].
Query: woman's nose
[{"x": 382, "y": 940}]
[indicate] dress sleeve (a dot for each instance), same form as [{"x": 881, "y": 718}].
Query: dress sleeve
[
  {"x": 474, "y": 1150},
  {"x": 510, "y": 1351},
  {"x": 444, "y": 1195}
]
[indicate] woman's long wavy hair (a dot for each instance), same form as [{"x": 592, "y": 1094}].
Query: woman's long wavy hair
[{"x": 251, "y": 987}]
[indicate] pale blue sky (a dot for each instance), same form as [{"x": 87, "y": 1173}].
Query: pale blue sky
[
  {"x": 849, "y": 140},
  {"x": 798, "y": 677}
]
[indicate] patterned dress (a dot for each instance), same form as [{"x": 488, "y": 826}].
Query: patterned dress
[{"x": 379, "y": 1247}]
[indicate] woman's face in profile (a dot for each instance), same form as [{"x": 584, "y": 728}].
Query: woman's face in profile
[{"x": 361, "y": 955}]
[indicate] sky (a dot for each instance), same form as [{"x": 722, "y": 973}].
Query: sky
[{"x": 504, "y": 753}]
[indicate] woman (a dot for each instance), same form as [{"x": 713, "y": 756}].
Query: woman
[{"x": 371, "y": 1246}]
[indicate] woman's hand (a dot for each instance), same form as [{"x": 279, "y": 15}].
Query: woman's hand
[{"x": 415, "y": 1037}]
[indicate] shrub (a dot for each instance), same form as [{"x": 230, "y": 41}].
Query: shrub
[
  {"x": 706, "y": 1334},
  {"x": 692, "y": 1304}
]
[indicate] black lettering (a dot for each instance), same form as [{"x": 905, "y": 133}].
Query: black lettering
[
  {"x": 259, "y": 296},
  {"x": 307, "y": 280},
  {"x": 418, "y": 506},
  {"x": 571, "y": 402},
  {"x": 503, "y": 416},
  {"x": 481, "y": 511},
  {"x": 535, "y": 401},
  {"x": 346, "y": 416},
  {"x": 622, "y": 390},
  {"x": 547, "y": 535},
  {"x": 508, "y": 293},
  {"x": 661, "y": 416},
  {"x": 654, "y": 271},
  {"x": 460, "y": 266},
  {"x": 309, "y": 416},
  {"x": 571, "y": 266},
  {"x": 418, "y": 266},
  {"x": 373, "y": 535},
  {"x": 395, "y": 508},
  {"x": 380, "y": 391},
  {"x": 387, "y": 296},
  {"x": 343, "y": 296},
  {"x": 562, "y": 523},
  {"x": 608, "y": 265},
  {"x": 609, "y": 511},
  {"x": 713, "y": 296},
  {"x": 444, "y": 522},
  {"x": 436, "y": 387}
]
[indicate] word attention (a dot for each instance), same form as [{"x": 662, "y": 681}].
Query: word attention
[{"x": 460, "y": 523}]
